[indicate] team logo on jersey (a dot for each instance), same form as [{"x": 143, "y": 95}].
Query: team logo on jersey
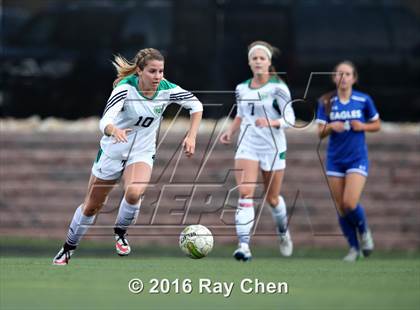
[
  {"x": 343, "y": 115},
  {"x": 263, "y": 96},
  {"x": 158, "y": 109}
]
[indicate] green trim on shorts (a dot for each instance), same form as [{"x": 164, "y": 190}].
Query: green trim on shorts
[
  {"x": 98, "y": 156},
  {"x": 282, "y": 155}
]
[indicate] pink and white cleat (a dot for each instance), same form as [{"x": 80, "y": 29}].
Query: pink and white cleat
[
  {"x": 121, "y": 246},
  {"x": 63, "y": 256}
]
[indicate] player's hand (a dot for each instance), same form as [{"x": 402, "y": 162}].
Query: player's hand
[
  {"x": 337, "y": 126},
  {"x": 120, "y": 135},
  {"x": 226, "y": 137},
  {"x": 189, "y": 146},
  {"x": 357, "y": 125},
  {"x": 262, "y": 122}
]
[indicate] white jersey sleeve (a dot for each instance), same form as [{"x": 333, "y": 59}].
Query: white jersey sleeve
[
  {"x": 113, "y": 106},
  {"x": 185, "y": 99},
  {"x": 283, "y": 97},
  {"x": 239, "y": 106}
]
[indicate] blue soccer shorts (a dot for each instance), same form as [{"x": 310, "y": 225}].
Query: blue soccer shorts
[{"x": 340, "y": 169}]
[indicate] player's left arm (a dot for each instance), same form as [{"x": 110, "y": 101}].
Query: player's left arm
[
  {"x": 287, "y": 115},
  {"x": 373, "y": 121},
  {"x": 190, "y": 102},
  {"x": 189, "y": 141},
  {"x": 371, "y": 126}
]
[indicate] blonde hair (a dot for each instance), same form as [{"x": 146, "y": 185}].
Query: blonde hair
[
  {"x": 274, "y": 52},
  {"x": 125, "y": 67}
]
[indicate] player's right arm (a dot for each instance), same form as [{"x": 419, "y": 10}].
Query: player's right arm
[
  {"x": 226, "y": 137},
  {"x": 119, "y": 135},
  {"x": 325, "y": 128},
  {"x": 114, "y": 106}
]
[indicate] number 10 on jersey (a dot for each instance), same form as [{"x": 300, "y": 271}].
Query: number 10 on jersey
[{"x": 144, "y": 123}]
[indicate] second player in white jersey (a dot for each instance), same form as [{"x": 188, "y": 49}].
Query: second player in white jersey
[
  {"x": 270, "y": 101},
  {"x": 264, "y": 110}
]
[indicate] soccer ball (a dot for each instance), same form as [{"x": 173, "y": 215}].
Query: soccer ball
[{"x": 196, "y": 241}]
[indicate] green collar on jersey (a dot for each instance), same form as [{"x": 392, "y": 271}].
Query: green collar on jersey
[
  {"x": 133, "y": 80},
  {"x": 272, "y": 79}
]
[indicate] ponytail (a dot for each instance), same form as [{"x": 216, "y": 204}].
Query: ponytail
[
  {"x": 325, "y": 99},
  {"x": 273, "y": 73},
  {"x": 124, "y": 68}
]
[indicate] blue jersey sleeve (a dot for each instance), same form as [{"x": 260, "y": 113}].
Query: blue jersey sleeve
[
  {"x": 370, "y": 111},
  {"x": 321, "y": 116}
]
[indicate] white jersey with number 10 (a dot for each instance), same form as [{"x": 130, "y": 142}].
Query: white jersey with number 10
[{"x": 127, "y": 107}]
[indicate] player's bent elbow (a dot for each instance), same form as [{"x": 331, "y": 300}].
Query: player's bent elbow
[
  {"x": 321, "y": 133},
  {"x": 378, "y": 125},
  {"x": 374, "y": 126},
  {"x": 103, "y": 124}
]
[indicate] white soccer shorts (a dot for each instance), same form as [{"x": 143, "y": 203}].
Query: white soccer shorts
[
  {"x": 269, "y": 161},
  {"x": 106, "y": 168}
]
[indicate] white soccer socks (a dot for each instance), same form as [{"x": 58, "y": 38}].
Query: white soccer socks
[
  {"x": 127, "y": 214},
  {"x": 79, "y": 226},
  {"x": 280, "y": 215},
  {"x": 280, "y": 218},
  {"x": 244, "y": 219}
]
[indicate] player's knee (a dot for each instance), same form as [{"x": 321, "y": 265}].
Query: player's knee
[
  {"x": 246, "y": 194},
  {"x": 91, "y": 209},
  {"x": 133, "y": 195},
  {"x": 273, "y": 200}
]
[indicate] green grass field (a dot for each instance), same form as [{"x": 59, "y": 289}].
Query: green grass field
[{"x": 95, "y": 279}]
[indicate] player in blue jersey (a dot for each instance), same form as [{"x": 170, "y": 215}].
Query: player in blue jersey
[
  {"x": 129, "y": 125},
  {"x": 264, "y": 110},
  {"x": 345, "y": 115}
]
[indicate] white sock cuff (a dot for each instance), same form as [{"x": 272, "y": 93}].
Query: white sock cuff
[
  {"x": 280, "y": 209},
  {"x": 84, "y": 219},
  {"x": 130, "y": 206},
  {"x": 79, "y": 226},
  {"x": 245, "y": 202},
  {"x": 281, "y": 201},
  {"x": 87, "y": 220}
]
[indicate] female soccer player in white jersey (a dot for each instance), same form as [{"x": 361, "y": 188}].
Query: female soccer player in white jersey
[
  {"x": 264, "y": 110},
  {"x": 345, "y": 115},
  {"x": 129, "y": 123}
]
